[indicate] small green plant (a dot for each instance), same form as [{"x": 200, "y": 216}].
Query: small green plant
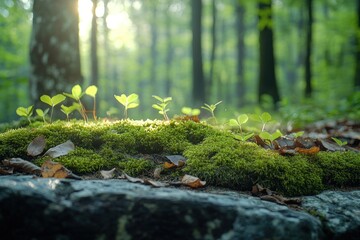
[
  {"x": 67, "y": 110},
  {"x": 91, "y": 91},
  {"x": 241, "y": 119},
  {"x": 298, "y": 134},
  {"x": 190, "y": 111},
  {"x": 211, "y": 108},
  {"x": 52, "y": 101},
  {"x": 25, "y": 112},
  {"x": 131, "y": 101},
  {"x": 269, "y": 138},
  {"x": 264, "y": 118},
  {"x": 76, "y": 94},
  {"x": 243, "y": 137},
  {"x": 161, "y": 106},
  {"x": 42, "y": 113},
  {"x": 339, "y": 142}
]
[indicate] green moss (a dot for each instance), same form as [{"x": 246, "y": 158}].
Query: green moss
[
  {"x": 14, "y": 143},
  {"x": 136, "y": 167}
]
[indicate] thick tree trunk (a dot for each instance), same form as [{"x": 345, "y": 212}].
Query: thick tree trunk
[
  {"x": 267, "y": 78},
  {"x": 308, "y": 87},
  {"x": 213, "y": 50},
  {"x": 198, "y": 84},
  {"x": 54, "y": 48},
  {"x": 240, "y": 31},
  {"x": 357, "y": 53},
  {"x": 93, "y": 47}
]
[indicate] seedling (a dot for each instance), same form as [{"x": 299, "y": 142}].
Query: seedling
[
  {"x": 25, "y": 112},
  {"x": 52, "y": 101},
  {"x": 211, "y": 108},
  {"x": 131, "y": 101},
  {"x": 339, "y": 142},
  {"x": 67, "y": 110},
  {"x": 76, "y": 94},
  {"x": 264, "y": 118},
  {"x": 269, "y": 138},
  {"x": 243, "y": 137},
  {"x": 91, "y": 91},
  {"x": 298, "y": 134},
  {"x": 161, "y": 106},
  {"x": 190, "y": 111},
  {"x": 42, "y": 113},
  {"x": 242, "y": 119}
]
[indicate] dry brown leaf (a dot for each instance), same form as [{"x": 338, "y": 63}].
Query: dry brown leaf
[
  {"x": 308, "y": 151},
  {"x": 192, "y": 181},
  {"x": 178, "y": 160},
  {"x": 168, "y": 165},
  {"x": 22, "y": 165},
  {"x": 108, "y": 174},
  {"x": 329, "y": 146},
  {"x": 61, "y": 149},
  {"x": 36, "y": 147},
  {"x": 6, "y": 171},
  {"x": 155, "y": 183},
  {"x": 51, "y": 169},
  {"x": 132, "y": 179}
]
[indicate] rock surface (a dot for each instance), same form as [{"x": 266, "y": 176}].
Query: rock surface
[{"x": 38, "y": 208}]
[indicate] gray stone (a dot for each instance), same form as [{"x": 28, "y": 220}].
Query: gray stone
[
  {"x": 37, "y": 208},
  {"x": 339, "y": 211}
]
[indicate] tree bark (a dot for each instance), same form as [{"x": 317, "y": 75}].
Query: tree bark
[
  {"x": 308, "y": 87},
  {"x": 357, "y": 53},
  {"x": 213, "y": 49},
  {"x": 240, "y": 31},
  {"x": 93, "y": 47},
  {"x": 267, "y": 78},
  {"x": 198, "y": 83},
  {"x": 154, "y": 48},
  {"x": 54, "y": 48},
  {"x": 169, "y": 52}
]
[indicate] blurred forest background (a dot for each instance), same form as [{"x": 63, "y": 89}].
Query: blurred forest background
[{"x": 298, "y": 57}]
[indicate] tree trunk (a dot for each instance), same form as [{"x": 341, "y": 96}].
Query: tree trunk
[
  {"x": 240, "y": 31},
  {"x": 357, "y": 54},
  {"x": 198, "y": 84},
  {"x": 308, "y": 87},
  {"x": 93, "y": 47},
  {"x": 169, "y": 53},
  {"x": 267, "y": 78},
  {"x": 213, "y": 50},
  {"x": 54, "y": 48},
  {"x": 154, "y": 50}
]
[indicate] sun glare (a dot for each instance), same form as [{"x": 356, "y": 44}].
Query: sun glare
[{"x": 121, "y": 33}]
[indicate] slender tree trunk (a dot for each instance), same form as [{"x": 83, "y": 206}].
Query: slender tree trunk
[
  {"x": 153, "y": 49},
  {"x": 109, "y": 85},
  {"x": 169, "y": 53},
  {"x": 308, "y": 87},
  {"x": 267, "y": 78},
  {"x": 357, "y": 54},
  {"x": 93, "y": 47},
  {"x": 198, "y": 82},
  {"x": 54, "y": 48},
  {"x": 213, "y": 50},
  {"x": 240, "y": 31}
]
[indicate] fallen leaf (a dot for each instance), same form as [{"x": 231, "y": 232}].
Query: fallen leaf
[
  {"x": 304, "y": 142},
  {"x": 61, "y": 149},
  {"x": 168, "y": 165},
  {"x": 157, "y": 172},
  {"x": 178, "y": 160},
  {"x": 6, "y": 171},
  {"x": 258, "y": 190},
  {"x": 287, "y": 152},
  {"x": 155, "y": 183},
  {"x": 36, "y": 147},
  {"x": 22, "y": 165},
  {"x": 132, "y": 179},
  {"x": 308, "y": 151},
  {"x": 192, "y": 181},
  {"x": 51, "y": 169},
  {"x": 108, "y": 174},
  {"x": 271, "y": 198},
  {"x": 268, "y": 195},
  {"x": 329, "y": 146}
]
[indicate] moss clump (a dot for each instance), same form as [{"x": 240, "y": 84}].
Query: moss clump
[
  {"x": 223, "y": 161},
  {"x": 136, "y": 167}
]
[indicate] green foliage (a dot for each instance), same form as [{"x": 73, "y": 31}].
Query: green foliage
[
  {"x": 190, "y": 111},
  {"x": 136, "y": 167},
  {"x": 42, "y": 113},
  {"x": 91, "y": 91},
  {"x": 339, "y": 142},
  {"x": 68, "y": 110},
  {"x": 131, "y": 101},
  {"x": 25, "y": 112},
  {"x": 264, "y": 118},
  {"x": 211, "y": 108},
  {"x": 76, "y": 94},
  {"x": 162, "y": 106},
  {"x": 241, "y": 119},
  {"x": 52, "y": 101}
]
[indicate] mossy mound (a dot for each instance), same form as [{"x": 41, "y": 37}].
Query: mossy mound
[{"x": 213, "y": 155}]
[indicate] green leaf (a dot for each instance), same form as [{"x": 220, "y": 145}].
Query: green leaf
[
  {"x": 21, "y": 111},
  {"x": 91, "y": 91},
  {"x": 276, "y": 135},
  {"x": 57, "y": 99},
  {"x": 255, "y": 118},
  {"x": 186, "y": 110},
  {"x": 266, "y": 117},
  {"x": 121, "y": 99},
  {"x": 132, "y": 105},
  {"x": 77, "y": 92},
  {"x": 132, "y": 98},
  {"x": 265, "y": 136},
  {"x": 46, "y": 99},
  {"x": 168, "y": 99},
  {"x": 40, "y": 112},
  {"x": 298, "y": 134},
  {"x": 233, "y": 122},
  {"x": 70, "y": 96},
  {"x": 339, "y": 142},
  {"x": 246, "y": 137},
  {"x": 157, "y": 107},
  {"x": 158, "y": 98},
  {"x": 243, "y": 118},
  {"x": 195, "y": 112}
]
